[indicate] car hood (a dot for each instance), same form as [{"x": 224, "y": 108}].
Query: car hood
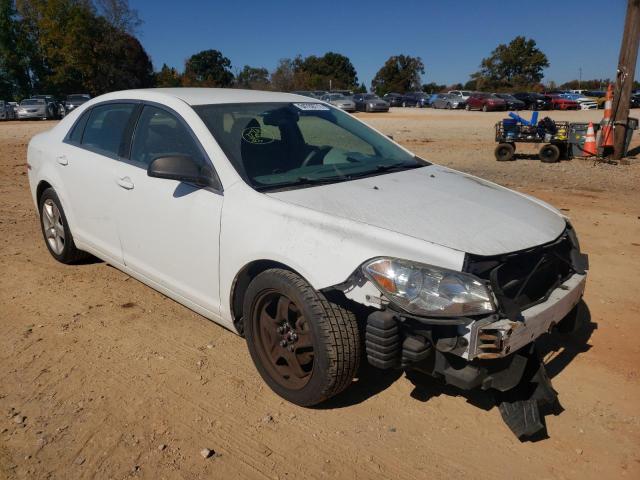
[{"x": 438, "y": 205}]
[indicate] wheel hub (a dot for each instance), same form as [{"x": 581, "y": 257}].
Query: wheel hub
[{"x": 285, "y": 342}]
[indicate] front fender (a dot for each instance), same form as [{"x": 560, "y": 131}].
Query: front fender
[{"x": 324, "y": 249}]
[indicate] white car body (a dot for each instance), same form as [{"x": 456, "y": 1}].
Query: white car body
[{"x": 193, "y": 243}]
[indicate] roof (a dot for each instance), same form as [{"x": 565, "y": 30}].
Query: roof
[{"x": 205, "y": 96}]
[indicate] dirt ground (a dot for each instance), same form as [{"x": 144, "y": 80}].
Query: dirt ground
[{"x": 101, "y": 377}]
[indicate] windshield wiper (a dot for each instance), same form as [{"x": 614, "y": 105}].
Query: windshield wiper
[{"x": 301, "y": 181}]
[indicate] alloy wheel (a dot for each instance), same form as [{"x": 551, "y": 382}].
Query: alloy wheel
[{"x": 53, "y": 226}]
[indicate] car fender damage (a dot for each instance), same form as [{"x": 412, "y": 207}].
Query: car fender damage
[{"x": 537, "y": 290}]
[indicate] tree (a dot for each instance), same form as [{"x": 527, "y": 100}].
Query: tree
[
  {"x": 595, "y": 84},
  {"x": 75, "y": 49},
  {"x": 208, "y": 68},
  {"x": 433, "y": 87},
  {"x": 400, "y": 73},
  {"x": 168, "y": 77},
  {"x": 15, "y": 54},
  {"x": 119, "y": 14},
  {"x": 282, "y": 78},
  {"x": 518, "y": 64},
  {"x": 332, "y": 70},
  {"x": 254, "y": 78},
  {"x": 361, "y": 89}
]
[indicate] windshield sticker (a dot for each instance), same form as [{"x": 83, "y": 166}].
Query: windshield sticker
[
  {"x": 311, "y": 106},
  {"x": 254, "y": 135}
]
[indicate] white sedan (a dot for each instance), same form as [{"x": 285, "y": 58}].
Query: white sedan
[{"x": 308, "y": 232}]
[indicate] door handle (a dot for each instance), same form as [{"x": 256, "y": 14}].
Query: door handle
[
  {"x": 62, "y": 160},
  {"x": 126, "y": 183}
]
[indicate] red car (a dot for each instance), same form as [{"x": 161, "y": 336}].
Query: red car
[
  {"x": 485, "y": 102},
  {"x": 560, "y": 103}
]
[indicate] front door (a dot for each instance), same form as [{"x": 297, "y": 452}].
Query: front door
[{"x": 169, "y": 230}]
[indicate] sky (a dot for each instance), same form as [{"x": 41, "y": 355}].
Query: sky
[{"x": 450, "y": 37}]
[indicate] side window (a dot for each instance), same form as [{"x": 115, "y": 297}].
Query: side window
[
  {"x": 160, "y": 134},
  {"x": 106, "y": 125},
  {"x": 78, "y": 128}
]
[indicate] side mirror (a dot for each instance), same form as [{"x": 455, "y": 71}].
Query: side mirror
[{"x": 182, "y": 168}]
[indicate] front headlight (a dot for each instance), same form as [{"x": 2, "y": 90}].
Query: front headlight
[
  {"x": 371, "y": 105},
  {"x": 429, "y": 291}
]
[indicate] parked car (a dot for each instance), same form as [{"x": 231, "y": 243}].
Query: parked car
[
  {"x": 448, "y": 101},
  {"x": 33, "y": 108},
  {"x": 534, "y": 101},
  {"x": 75, "y": 100},
  {"x": 512, "y": 102},
  {"x": 585, "y": 103},
  {"x": 597, "y": 96},
  {"x": 369, "y": 102},
  {"x": 160, "y": 186},
  {"x": 463, "y": 94},
  {"x": 346, "y": 93},
  {"x": 340, "y": 101},
  {"x": 393, "y": 99},
  {"x": 560, "y": 103},
  {"x": 305, "y": 93},
  {"x": 415, "y": 99},
  {"x": 6, "y": 111},
  {"x": 53, "y": 106},
  {"x": 432, "y": 98},
  {"x": 485, "y": 102},
  {"x": 635, "y": 101}
]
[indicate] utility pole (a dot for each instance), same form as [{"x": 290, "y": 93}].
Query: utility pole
[
  {"x": 580, "y": 78},
  {"x": 624, "y": 76}
]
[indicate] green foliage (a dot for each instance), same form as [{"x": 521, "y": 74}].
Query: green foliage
[
  {"x": 518, "y": 64},
  {"x": 168, "y": 77},
  {"x": 208, "y": 68},
  {"x": 15, "y": 74},
  {"x": 332, "y": 70},
  {"x": 254, "y": 78},
  {"x": 433, "y": 87},
  {"x": 400, "y": 73},
  {"x": 66, "y": 46},
  {"x": 361, "y": 89},
  {"x": 319, "y": 73}
]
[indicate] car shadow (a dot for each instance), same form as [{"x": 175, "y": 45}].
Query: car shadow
[
  {"x": 534, "y": 156},
  {"x": 558, "y": 349},
  {"x": 369, "y": 382}
]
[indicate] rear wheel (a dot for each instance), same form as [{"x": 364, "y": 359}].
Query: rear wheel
[
  {"x": 549, "y": 154},
  {"x": 55, "y": 229},
  {"x": 504, "y": 152},
  {"x": 306, "y": 348}
]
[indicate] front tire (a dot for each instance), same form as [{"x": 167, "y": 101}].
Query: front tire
[
  {"x": 55, "y": 229},
  {"x": 306, "y": 348}
]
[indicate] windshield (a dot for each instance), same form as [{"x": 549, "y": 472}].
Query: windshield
[
  {"x": 282, "y": 145},
  {"x": 31, "y": 102}
]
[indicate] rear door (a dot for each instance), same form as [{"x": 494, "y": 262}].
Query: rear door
[
  {"x": 169, "y": 229},
  {"x": 86, "y": 161}
]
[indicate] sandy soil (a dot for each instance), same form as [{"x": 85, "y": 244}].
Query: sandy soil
[{"x": 101, "y": 377}]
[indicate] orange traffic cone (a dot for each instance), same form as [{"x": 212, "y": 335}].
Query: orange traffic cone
[
  {"x": 607, "y": 121},
  {"x": 590, "y": 148}
]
